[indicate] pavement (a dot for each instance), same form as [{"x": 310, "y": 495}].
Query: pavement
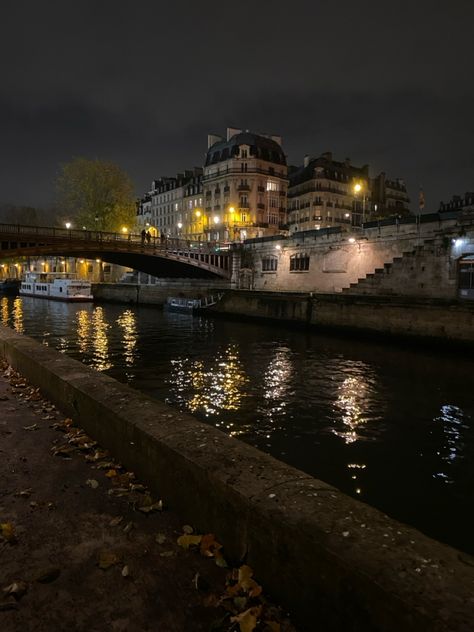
[{"x": 85, "y": 548}]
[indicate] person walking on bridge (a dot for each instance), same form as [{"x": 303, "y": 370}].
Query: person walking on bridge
[
  {"x": 143, "y": 235},
  {"x": 148, "y": 236}
]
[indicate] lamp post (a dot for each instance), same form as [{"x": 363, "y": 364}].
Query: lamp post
[{"x": 358, "y": 188}]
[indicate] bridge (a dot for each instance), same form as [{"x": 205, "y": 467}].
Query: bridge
[{"x": 159, "y": 257}]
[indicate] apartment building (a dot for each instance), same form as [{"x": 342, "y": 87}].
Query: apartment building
[{"x": 244, "y": 186}]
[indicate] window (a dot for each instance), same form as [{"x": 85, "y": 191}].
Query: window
[
  {"x": 272, "y": 186},
  {"x": 269, "y": 264},
  {"x": 244, "y": 202},
  {"x": 299, "y": 262}
]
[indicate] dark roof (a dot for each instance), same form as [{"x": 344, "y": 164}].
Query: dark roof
[
  {"x": 344, "y": 170},
  {"x": 260, "y": 146}
]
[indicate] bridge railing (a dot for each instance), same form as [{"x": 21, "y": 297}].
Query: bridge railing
[{"x": 165, "y": 243}]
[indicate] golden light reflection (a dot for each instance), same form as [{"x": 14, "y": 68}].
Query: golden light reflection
[
  {"x": 83, "y": 330},
  {"x": 210, "y": 389},
  {"x": 18, "y": 315},
  {"x": 128, "y": 322},
  {"x": 100, "y": 343},
  {"x": 5, "y": 311},
  {"x": 351, "y": 404}
]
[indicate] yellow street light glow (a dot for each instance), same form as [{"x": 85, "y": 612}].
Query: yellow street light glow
[
  {"x": 97, "y": 260},
  {"x": 216, "y": 219},
  {"x": 124, "y": 229},
  {"x": 346, "y": 215},
  {"x": 231, "y": 209},
  {"x": 351, "y": 240},
  {"x": 180, "y": 225},
  {"x": 278, "y": 247},
  {"x": 81, "y": 260},
  {"x": 357, "y": 188},
  {"x": 198, "y": 213}
]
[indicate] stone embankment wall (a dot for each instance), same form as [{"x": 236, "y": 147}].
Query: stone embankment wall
[
  {"x": 337, "y": 563},
  {"x": 339, "y": 259},
  {"x": 158, "y": 292},
  {"x": 434, "y": 319}
]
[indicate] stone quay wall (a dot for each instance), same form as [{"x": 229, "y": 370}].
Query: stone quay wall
[
  {"x": 157, "y": 293},
  {"x": 429, "y": 319},
  {"x": 337, "y": 563}
]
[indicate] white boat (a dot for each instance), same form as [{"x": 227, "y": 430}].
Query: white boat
[{"x": 57, "y": 286}]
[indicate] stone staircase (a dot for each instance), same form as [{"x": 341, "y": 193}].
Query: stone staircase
[{"x": 423, "y": 271}]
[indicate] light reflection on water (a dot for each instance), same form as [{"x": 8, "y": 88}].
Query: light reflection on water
[{"x": 368, "y": 418}]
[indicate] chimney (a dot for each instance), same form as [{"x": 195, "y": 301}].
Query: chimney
[
  {"x": 306, "y": 160},
  {"x": 213, "y": 138},
  {"x": 232, "y": 131}
]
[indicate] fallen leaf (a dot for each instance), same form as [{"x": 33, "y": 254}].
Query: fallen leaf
[
  {"x": 167, "y": 554},
  {"x": 91, "y": 482},
  {"x": 247, "y": 620},
  {"x": 24, "y": 493},
  {"x": 111, "y": 473},
  {"x": 47, "y": 576},
  {"x": 105, "y": 465},
  {"x": 106, "y": 559},
  {"x": 158, "y": 506},
  {"x": 16, "y": 590},
  {"x": 7, "y": 532},
  {"x": 32, "y": 427},
  {"x": 115, "y": 521},
  {"x": 186, "y": 541},
  {"x": 209, "y": 545},
  {"x": 188, "y": 529},
  {"x": 128, "y": 527},
  {"x": 125, "y": 571},
  {"x": 160, "y": 538}
]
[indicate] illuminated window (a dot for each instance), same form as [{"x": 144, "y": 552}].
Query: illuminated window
[{"x": 272, "y": 186}]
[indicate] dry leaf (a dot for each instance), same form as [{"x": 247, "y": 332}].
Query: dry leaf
[
  {"x": 106, "y": 559},
  {"x": 91, "y": 482},
  {"x": 111, "y": 473},
  {"x": 247, "y": 620},
  {"x": 209, "y": 545},
  {"x": 160, "y": 538},
  {"x": 186, "y": 540},
  {"x": 7, "y": 531},
  {"x": 125, "y": 571},
  {"x": 188, "y": 529},
  {"x": 17, "y": 589},
  {"x": 115, "y": 521}
]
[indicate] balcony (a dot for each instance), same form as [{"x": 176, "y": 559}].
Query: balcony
[
  {"x": 243, "y": 187},
  {"x": 217, "y": 191},
  {"x": 226, "y": 189},
  {"x": 260, "y": 205}
]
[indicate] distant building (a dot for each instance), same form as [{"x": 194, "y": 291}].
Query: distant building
[
  {"x": 388, "y": 197},
  {"x": 324, "y": 192},
  {"x": 173, "y": 207},
  {"x": 244, "y": 185},
  {"x": 458, "y": 203}
]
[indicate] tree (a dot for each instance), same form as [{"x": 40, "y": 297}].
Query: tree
[{"x": 96, "y": 194}]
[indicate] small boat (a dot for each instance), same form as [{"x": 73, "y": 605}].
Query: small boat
[
  {"x": 10, "y": 286},
  {"x": 191, "y": 305},
  {"x": 186, "y": 305},
  {"x": 56, "y": 286}
]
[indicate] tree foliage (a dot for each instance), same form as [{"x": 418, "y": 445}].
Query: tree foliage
[{"x": 96, "y": 194}]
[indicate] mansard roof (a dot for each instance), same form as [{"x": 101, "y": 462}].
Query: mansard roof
[{"x": 260, "y": 147}]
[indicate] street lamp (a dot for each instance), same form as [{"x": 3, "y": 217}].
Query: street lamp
[
  {"x": 357, "y": 189},
  {"x": 68, "y": 225},
  {"x": 124, "y": 229}
]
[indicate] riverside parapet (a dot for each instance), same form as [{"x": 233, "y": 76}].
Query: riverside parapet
[{"x": 333, "y": 560}]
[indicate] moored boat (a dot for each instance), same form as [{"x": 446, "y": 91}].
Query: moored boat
[{"x": 56, "y": 286}]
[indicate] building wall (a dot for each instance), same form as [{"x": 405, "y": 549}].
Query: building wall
[
  {"x": 321, "y": 261},
  {"x": 244, "y": 195}
]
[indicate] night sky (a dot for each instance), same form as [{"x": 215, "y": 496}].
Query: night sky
[{"x": 142, "y": 83}]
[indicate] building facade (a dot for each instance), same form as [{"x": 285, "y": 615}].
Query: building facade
[
  {"x": 324, "y": 192},
  {"x": 173, "y": 206},
  {"x": 244, "y": 186}
]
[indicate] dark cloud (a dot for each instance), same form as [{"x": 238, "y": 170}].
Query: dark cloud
[{"x": 143, "y": 83}]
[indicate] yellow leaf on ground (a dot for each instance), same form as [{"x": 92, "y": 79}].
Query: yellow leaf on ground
[
  {"x": 189, "y": 540},
  {"x": 107, "y": 559},
  {"x": 247, "y": 620},
  {"x": 111, "y": 473},
  {"x": 209, "y": 545},
  {"x": 7, "y": 531}
]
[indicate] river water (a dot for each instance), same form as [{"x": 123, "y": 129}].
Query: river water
[{"x": 390, "y": 426}]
